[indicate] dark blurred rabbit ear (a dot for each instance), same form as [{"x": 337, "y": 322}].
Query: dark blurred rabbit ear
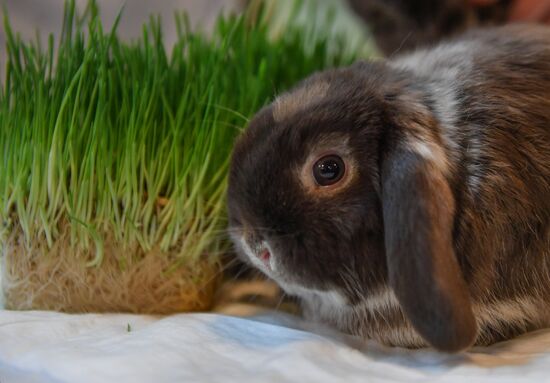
[
  {"x": 418, "y": 210},
  {"x": 399, "y": 25}
]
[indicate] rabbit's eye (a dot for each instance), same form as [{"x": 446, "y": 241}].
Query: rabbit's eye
[{"x": 328, "y": 170}]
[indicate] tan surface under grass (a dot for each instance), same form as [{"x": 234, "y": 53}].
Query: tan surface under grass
[{"x": 128, "y": 279}]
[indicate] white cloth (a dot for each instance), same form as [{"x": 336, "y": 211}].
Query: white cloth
[{"x": 49, "y": 347}]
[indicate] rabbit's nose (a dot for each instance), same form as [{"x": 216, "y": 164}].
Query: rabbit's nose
[
  {"x": 264, "y": 255},
  {"x": 258, "y": 248}
]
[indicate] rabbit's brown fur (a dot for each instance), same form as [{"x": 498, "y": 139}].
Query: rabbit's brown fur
[{"x": 440, "y": 232}]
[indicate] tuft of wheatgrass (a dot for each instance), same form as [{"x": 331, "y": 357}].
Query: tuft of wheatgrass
[{"x": 113, "y": 155}]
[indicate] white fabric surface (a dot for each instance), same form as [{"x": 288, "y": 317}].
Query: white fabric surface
[{"x": 51, "y": 347}]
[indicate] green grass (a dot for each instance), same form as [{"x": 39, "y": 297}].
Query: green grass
[{"x": 102, "y": 136}]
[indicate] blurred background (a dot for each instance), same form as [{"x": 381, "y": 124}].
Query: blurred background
[
  {"x": 321, "y": 18},
  {"x": 28, "y": 16},
  {"x": 395, "y": 25}
]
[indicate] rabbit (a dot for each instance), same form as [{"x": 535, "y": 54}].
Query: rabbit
[
  {"x": 401, "y": 25},
  {"x": 407, "y": 201}
]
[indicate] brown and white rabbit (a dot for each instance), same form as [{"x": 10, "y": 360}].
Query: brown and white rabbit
[{"x": 408, "y": 201}]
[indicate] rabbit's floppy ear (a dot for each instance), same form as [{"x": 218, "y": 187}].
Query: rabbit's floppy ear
[{"x": 418, "y": 212}]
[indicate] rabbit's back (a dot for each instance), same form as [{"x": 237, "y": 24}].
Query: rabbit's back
[{"x": 490, "y": 92}]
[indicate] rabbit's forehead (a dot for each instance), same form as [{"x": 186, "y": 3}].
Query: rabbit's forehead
[
  {"x": 338, "y": 142},
  {"x": 288, "y": 104}
]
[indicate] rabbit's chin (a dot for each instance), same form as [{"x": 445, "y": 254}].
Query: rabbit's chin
[
  {"x": 376, "y": 317},
  {"x": 379, "y": 316}
]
